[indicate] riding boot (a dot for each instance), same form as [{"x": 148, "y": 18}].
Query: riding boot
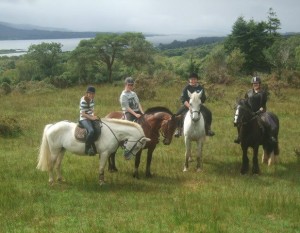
[
  {"x": 89, "y": 149},
  {"x": 209, "y": 132}
]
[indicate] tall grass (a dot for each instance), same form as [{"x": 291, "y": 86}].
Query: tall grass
[{"x": 218, "y": 199}]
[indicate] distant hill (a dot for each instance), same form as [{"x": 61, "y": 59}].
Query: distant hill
[
  {"x": 191, "y": 42},
  {"x": 8, "y": 32}
]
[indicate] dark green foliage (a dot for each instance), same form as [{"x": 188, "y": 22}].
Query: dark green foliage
[
  {"x": 252, "y": 38},
  {"x": 191, "y": 43}
]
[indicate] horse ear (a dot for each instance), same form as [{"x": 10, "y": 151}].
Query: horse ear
[
  {"x": 200, "y": 94},
  {"x": 146, "y": 139},
  {"x": 189, "y": 93}
]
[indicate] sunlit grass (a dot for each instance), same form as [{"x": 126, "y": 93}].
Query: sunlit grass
[{"x": 218, "y": 199}]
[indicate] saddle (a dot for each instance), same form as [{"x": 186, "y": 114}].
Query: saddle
[{"x": 80, "y": 132}]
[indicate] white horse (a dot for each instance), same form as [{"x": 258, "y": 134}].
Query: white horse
[
  {"x": 59, "y": 137},
  {"x": 194, "y": 130}
]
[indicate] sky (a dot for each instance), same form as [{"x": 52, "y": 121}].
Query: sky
[{"x": 202, "y": 17}]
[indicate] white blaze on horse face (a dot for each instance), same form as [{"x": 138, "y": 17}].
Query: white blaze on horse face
[
  {"x": 195, "y": 103},
  {"x": 236, "y": 115}
]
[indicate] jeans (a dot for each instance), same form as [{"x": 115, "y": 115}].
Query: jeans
[{"x": 88, "y": 125}]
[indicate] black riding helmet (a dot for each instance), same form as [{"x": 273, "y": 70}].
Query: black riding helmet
[{"x": 256, "y": 80}]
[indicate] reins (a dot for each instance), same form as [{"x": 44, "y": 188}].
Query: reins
[
  {"x": 121, "y": 143},
  {"x": 253, "y": 116}
]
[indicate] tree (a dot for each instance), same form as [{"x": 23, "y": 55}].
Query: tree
[
  {"x": 47, "y": 57},
  {"x": 278, "y": 55},
  {"x": 138, "y": 52},
  {"x": 252, "y": 38},
  {"x": 130, "y": 49},
  {"x": 235, "y": 61}
]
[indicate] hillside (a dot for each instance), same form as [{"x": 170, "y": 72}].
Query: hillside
[{"x": 12, "y": 33}]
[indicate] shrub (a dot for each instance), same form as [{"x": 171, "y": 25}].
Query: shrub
[
  {"x": 5, "y": 87},
  {"x": 144, "y": 87},
  {"x": 9, "y": 127}
]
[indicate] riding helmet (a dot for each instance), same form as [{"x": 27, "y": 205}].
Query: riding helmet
[
  {"x": 256, "y": 80},
  {"x": 129, "y": 80},
  {"x": 91, "y": 89},
  {"x": 193, "y": 75}
]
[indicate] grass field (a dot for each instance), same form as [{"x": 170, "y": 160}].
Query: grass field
[{"x": 218, "y": 199}]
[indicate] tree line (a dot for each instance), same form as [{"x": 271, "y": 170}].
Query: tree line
[{"x": 251, "y": 48}]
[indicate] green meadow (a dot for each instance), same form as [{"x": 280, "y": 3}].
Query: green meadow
[{"x": 218, "y": 199}]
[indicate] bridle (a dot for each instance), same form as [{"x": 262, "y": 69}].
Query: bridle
[
  {"x": 192, "y": 112},
  {"x": 237, "y": 115},
  {"x": 122, "y": 143},
  {"x": 166, "y": 127}
]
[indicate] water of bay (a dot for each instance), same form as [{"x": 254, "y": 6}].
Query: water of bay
[{"x": 21, "y": 46}]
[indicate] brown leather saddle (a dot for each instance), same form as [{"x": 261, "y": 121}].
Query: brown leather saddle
[{"x": 81, "y": 133}]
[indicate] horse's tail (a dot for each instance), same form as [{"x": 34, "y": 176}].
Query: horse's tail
[
  {"x": 44, "y": 155},
  {"x": 276, "y": 149}
]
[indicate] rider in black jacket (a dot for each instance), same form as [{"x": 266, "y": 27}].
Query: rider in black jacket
[
  {"x": 194, "y": 86},
  {"x": 257, "y": 99}
]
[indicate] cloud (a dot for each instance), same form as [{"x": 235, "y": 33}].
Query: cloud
[{"x": 156, "y": 16}]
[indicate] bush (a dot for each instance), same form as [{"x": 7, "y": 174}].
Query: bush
[
  {"x": 5, "y": 88},
  {"x": 144, "y": 87},
  {"x": 9, "y": 127}
]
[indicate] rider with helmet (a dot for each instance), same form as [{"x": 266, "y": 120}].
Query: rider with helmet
[
  {"x": 130, "y": 102},
  {"x": 194, "y": 86},
  {"x": 88, "y": 119},
  {"x": 257, "y": 99}
]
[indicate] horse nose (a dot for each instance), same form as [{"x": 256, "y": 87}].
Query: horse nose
[
  {"x": 195, "y": 119},
  {"x": 127, "y": 154}
]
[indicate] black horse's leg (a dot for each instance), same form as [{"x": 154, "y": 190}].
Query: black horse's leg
[
  {"x": 255, "y": 168},
  {"x": 149, "y": 159},
  {"x": 112, "y": 163},
  {"x": 245, "y": 161},
  {"x": 137, "y": 164}
]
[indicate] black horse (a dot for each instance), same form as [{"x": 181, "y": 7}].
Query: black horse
[{"x": 253, "y": 132}]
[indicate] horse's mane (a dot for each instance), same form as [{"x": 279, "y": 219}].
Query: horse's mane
[
  {"x": 120, "y": 121},
  {"x": 158, "y": 109}
]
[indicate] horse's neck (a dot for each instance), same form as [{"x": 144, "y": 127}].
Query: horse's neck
[
  {"x": 122, "y": 130},
  {"x": 154, "y": 120}
]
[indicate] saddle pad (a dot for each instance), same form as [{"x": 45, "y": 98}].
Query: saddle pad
[{"x": 80, "y": 134}]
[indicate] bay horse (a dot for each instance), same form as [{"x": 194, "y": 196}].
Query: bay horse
[
  {"x": 59, "y": 137},
  {"x": 194, "y": 130},
  {"x": 155, "y": 120},
  {"x": 252, "y": 134}
]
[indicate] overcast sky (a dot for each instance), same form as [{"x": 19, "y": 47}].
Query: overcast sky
[{"x": 203, "y": 17}]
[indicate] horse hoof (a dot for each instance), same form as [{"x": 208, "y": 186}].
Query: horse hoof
[
  {"x": 136, "y": 176},
  {"x": 149, "y": 175},
  {"x": 185, "y": 169},
  {"x": 51, "y": 182},
  {"x": 61, "y": 180},
  {"x": 101, "y": 182},
  {"x": 198, "y": 170},
  {"x": 112, "y": 170}
]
